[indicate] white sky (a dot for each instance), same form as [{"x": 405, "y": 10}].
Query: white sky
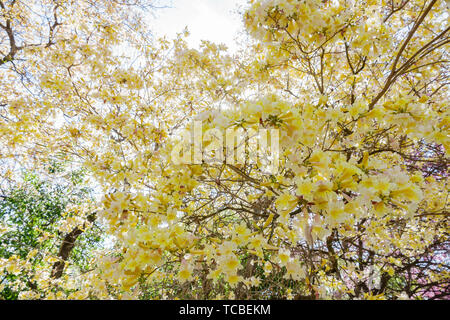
[{"x": 214, "y": 20}]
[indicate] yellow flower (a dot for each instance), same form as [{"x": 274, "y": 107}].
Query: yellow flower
[
  {"x": 305, "y": 188},
  {"x": 286, "y": 202},
  {"x": 283, "y": 256}
]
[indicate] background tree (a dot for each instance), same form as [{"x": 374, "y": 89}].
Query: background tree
[{"x": 40, "y": 222}]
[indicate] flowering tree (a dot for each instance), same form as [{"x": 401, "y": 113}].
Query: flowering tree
[{"x": 352, "y": 94}]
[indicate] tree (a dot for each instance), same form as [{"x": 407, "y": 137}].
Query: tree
[
  {"x": 355, "y": 90},
  {"x": 40, "y": 222}
]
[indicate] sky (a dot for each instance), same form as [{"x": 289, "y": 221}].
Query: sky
[{"x": 214, "y": 20}]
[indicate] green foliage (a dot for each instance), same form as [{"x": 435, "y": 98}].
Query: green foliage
[{"x": 34, "y": 208}]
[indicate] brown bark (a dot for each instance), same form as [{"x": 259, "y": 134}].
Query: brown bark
[{"x": 66, "y": 247}]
